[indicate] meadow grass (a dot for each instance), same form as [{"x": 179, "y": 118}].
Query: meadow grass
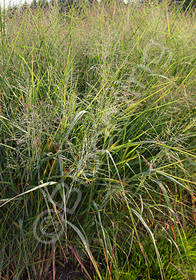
[{"x": 97, "y": 123}]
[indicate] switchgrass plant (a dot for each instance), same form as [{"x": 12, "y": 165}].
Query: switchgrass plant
[{"x": 97, "y": 151}]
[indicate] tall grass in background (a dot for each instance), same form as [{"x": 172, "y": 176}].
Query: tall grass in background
[{"x": 99, "y": 99}]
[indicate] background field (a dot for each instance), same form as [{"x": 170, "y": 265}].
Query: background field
[{"x": 97, "y": 142}]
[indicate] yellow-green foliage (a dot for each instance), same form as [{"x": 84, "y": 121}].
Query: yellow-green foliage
[{"x": 99, "y": 99}]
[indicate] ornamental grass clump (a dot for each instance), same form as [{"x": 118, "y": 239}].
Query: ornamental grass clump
[{"x": 97, "y": 150}]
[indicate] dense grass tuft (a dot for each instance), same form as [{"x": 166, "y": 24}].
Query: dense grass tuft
[{"x": 97, "y": 129}]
